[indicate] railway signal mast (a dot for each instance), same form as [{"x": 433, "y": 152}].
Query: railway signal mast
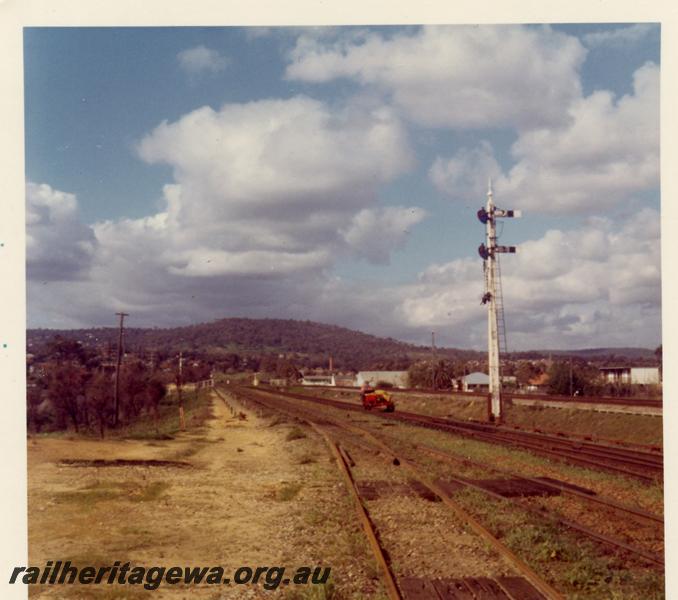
[{"x": 489, "y": 253}]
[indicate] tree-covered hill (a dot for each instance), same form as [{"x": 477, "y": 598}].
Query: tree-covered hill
[
  {"x": 310, "y": 344},
  {"x": 313, "y": 343}
]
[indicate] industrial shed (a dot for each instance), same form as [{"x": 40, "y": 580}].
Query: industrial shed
[{"x": 632, "y": 375}]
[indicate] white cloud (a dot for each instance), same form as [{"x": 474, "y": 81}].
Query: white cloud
[
  {"x": 266, "y": 196},
  {"x": 58, "y": 245},
  {"x": 621, "y": 36},
  {"x": 375, "y": 233},
  {"x": 608, "y": 152},
  {"x": 459, "y": 76},
  {"x": 274, "y": 150},
  {"x": 465, "y": 175},
  {"x": 597, "y": 285},
  {"x": 200, "y": 59}
]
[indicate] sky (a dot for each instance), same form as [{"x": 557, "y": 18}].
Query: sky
[{"x": 333, "y": 174}]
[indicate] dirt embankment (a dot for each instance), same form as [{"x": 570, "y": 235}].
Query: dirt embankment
[{"x": 255, "y": 492}]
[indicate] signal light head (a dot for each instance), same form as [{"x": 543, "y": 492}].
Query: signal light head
[
  {"x": 483, "y": 217},
  {"x": 482, "y": 250}
]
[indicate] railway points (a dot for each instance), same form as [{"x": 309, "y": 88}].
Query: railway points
[{"x": 639, "y": 543}]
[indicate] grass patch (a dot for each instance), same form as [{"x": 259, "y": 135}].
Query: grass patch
[
  {"x": 151, "y": 492},
  {"x": 197, "y": 411},
  {"x": 287, "y": 492},
  {"x": 575, "y": 565},
  {"x": 295, "y": 434},
  {"x": 190, "y": 449},
  {"x": 326, "y": 591},
  {"x": 640, "y": 429},
  {"x": 95, "y": 492}
]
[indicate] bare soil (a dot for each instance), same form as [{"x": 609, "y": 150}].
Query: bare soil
[{"x": 254, "y": 496}]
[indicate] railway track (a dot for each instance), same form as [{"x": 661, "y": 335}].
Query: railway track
[
  {"x": 608, "y": 507},
  {"x": 594, "y": 400},
  {"x": 640, "y": 464},
  {"x": 524, "y": 585}
]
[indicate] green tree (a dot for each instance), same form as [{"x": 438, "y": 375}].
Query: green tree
[
  {"x": 99, "y": 395},
  {"x": 573, "y": 377},
  {"x": 36, "y": 418},
  {"x": 155, "y": 391},
  {"x": 428, "y": 374},
  {"x": 285, "y": 369},
  {"x": 133, "y": 378},
  {"x": 66, "y": 387},
  {"x": 526, "y": 371}
]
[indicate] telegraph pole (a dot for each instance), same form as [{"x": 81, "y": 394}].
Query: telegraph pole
[
  {"x": 122, "y": 316},
  {"x": 182, "y": 420},
  {"x": 488, "y": 252},
  {"x": 433, "y": 360}
]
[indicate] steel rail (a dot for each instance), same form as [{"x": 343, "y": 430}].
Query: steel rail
[
  {"x": 650, "y": 449},
  {"x": 570, "y": 524},
  {"x": 477, "y": 426},
  {"x": 517, "y": 563},
  {"x": 599, "y": 537},
  {"x": 386, "y": 574},
  {"x": 640, "y": 514},
  {"x": 599, "y": 400},
  {"x": 492, "y": 434}
]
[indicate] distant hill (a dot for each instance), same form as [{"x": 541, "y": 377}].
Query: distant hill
[
  {"x": 597, "y": 354},
  {"x": 311, "y": 343},
  {"x": 314, "y": 342}
]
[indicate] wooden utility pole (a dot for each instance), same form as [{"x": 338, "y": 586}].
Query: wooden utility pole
[
  {"x": 122, "y": 316},
  {"x": 182, "y": 420},
  {"x": 433, "y": 360}
]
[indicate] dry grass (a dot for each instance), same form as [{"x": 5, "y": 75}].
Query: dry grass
[
  {"x": 295, "y": 434},
  {"x": 287, "y": 492}
]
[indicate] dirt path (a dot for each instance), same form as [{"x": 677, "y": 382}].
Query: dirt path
[{"x": 259, "y": 493}]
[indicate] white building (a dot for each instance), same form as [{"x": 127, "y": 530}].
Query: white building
[
  {"x": 318, "y": 380},
  {"x": 475, "y": 382},
  {"x": 632, "y": 375}
]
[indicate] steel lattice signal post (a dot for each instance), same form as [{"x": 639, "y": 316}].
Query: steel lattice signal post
[{"x": 488, "y": 252}]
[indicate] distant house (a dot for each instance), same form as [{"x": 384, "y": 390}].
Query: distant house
[
  {"x": 475, "y": 382},
  {"x": 399, "y": 379},
  {"x": 631, "y": 375},
  {"x": 318, "y": 380}
]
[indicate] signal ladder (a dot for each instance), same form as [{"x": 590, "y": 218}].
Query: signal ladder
[{"x": 499, "y": 303}]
